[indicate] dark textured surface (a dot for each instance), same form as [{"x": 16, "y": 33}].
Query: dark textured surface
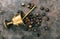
[{"x": 10, "y": 8}]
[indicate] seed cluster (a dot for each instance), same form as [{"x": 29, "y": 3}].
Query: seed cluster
[
  {"x": 29, "y": 5},
  {"x": 45, "y": 9},
  {"x": 33, "y": 20},
  {"x": 46, "y": 18}
]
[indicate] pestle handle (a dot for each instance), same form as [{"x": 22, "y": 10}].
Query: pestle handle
[{"x": 30, "y": 11}]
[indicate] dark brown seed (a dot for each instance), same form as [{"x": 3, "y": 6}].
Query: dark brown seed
[
  {"x": 43, "y": 14},
  {"x": 34, "y": 30},
  {"x": 36, "y": 14},
  {"x": 30, "y": 26},
  {"x": 34, "y": 19},
  {"x": 30, "y": 16},
  {"x": 31, "y": 22},
  {"x": 40, "y": 20},
  {"x": 47, "y": 18},
  {"x": 38, "y": 23},
  {"x": 46, "y": 28},
  {"x": 27, "y": 18},
  {"x": 31, "y": 19},
  {"x": 30, "y": 5},
  {"x": 42, "y": 8},
  {"x": 47, "y": 10},
  {"x": 22, "y": 4}
]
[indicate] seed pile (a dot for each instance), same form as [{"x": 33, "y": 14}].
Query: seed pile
[
  {"x": 33, "y": 20},
  {"x": 29, "y": 5}
]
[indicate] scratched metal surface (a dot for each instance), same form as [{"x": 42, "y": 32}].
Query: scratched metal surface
[{"x": 10, "y": 8}]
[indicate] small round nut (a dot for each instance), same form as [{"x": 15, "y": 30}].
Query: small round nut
[
  {"x": 30, "y": 26},
  {"x": 43, "y": 14},
  {"x": 22, "y": 4},
  {"x": 38, "y": 23},
  {"x": 46, "y": 18},
  {"x": 47, "y": 10},
  {"x": 27, "y": 18},
  {"x": 34, "y": 30},
  {"x": 46, "y": 27},
  {"x": 40, "y": 20},
  {"x": 36, "y": 14},
  {"x": 29, "y": 5},
  {"x": 42, "y": 8},
  {"x": 31, "y": 22}
]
